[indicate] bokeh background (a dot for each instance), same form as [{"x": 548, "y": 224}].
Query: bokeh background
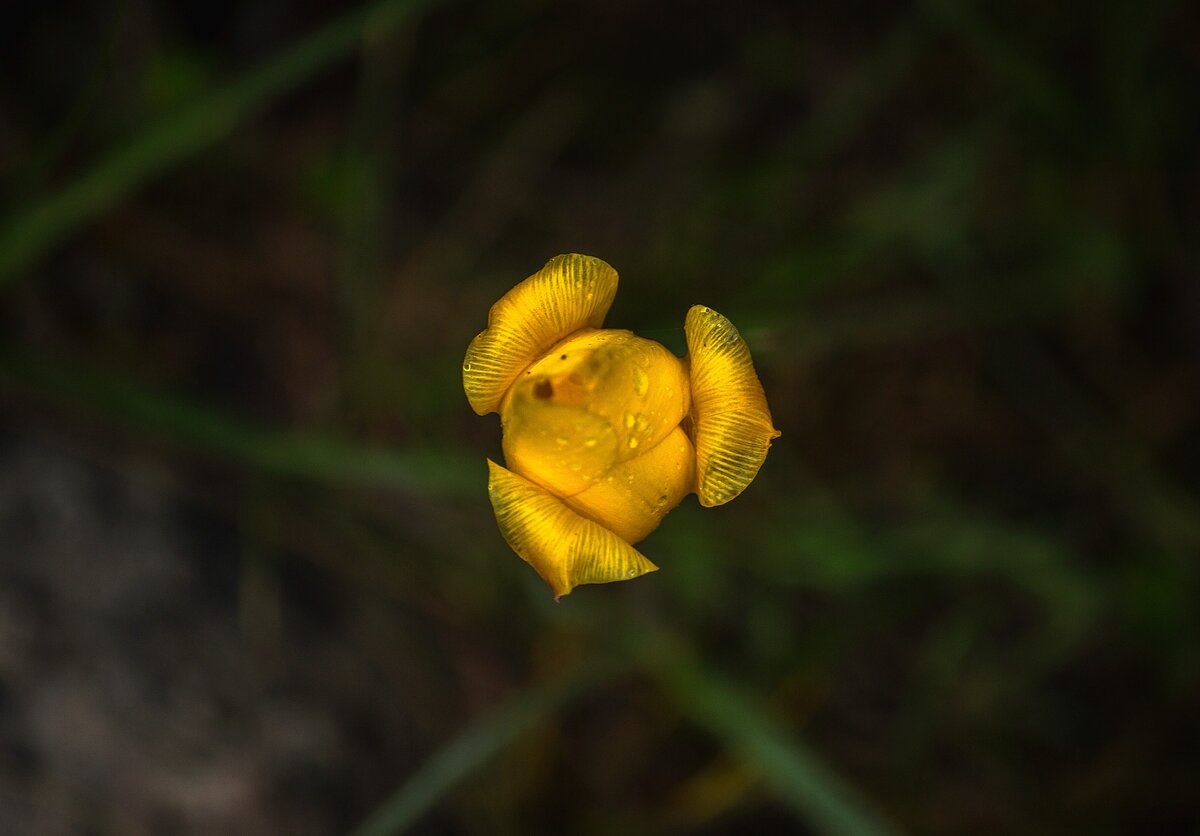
[{"x": 249, "y": 578}]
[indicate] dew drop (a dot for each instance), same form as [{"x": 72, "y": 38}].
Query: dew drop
[
  {"x": 640, "y": 381},
  {"x": 630, "y": 420},
  {"x": 633, "y": 443},
  {"x": 640, "y": 423},
  {"x": 589, "y": 442},
  {"x": 466, "y": 367}
]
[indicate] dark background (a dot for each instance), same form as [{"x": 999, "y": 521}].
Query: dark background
[{"x": 249, "y": 578}]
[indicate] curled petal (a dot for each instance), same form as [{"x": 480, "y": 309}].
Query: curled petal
[
  {"x": 731, "y": 424},
  {"x": 635, "y": 495},
  {"x": 571, "y": 292},
  {"x": 565, "y": 548}
]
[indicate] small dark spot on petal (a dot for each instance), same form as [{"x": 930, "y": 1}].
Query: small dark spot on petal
[
  {"x": 543, "y": 390},
  {"x": 564, "y": 357}
]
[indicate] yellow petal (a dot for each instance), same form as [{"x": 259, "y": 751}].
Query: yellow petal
[
  {"x": 565, "y": 548},
  {"x": 570, "y": 292},
  {"x": 635, "y": 495},
  {"x": 731, "y": 424},
  {"x": 551, "y": 441},
  {"x": 595, "y": 388},
  {"x": 636, "y": 384}
]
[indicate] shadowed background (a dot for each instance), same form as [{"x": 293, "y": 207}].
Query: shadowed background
[{"x": 249, "y": 578}]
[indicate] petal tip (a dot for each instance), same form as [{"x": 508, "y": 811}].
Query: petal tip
[
  {"x": 565, "y": 548},
  {"x": 571, "y": 292}
]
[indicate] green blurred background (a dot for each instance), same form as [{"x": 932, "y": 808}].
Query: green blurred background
[{"x": 249, "y": 578}]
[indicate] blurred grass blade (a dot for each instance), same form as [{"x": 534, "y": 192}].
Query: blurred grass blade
[
  {"x": 31, "y": 232},
  {"x": 306, "y": 455},
  {"x": 1012, "y": 65},
  {"x": 472, "y": 749},
  {"x": 795, "y": 774}
]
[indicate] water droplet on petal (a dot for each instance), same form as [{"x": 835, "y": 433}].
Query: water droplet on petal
[
  {"x": 629, "y": 420},
  {"x": 640, "y": 381},
  {"x": 633, "y": 443},
  {"x": 590, "y": 442}
]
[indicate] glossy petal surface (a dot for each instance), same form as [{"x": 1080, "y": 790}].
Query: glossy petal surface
[
  {"x": 564, "y": 547},
  {"x": 571, "y": 292},
  {"x": 634, "y": 496},
  {"x": 561, "y": 446},
  {"x": 597, "y": 402},
  {"x": 731, "y": 424}
]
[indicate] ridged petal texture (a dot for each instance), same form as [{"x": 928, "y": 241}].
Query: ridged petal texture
[
  {"x": 731, "y": 424},
  {"x": 571, "y": 292},
  {"x": 565, "y": 548}
]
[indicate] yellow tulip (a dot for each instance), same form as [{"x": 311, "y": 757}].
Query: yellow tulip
[{"x": 604, "y": 431}]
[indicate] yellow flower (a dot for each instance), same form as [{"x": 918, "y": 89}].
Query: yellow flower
[{"x": 604, "y": 431}]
